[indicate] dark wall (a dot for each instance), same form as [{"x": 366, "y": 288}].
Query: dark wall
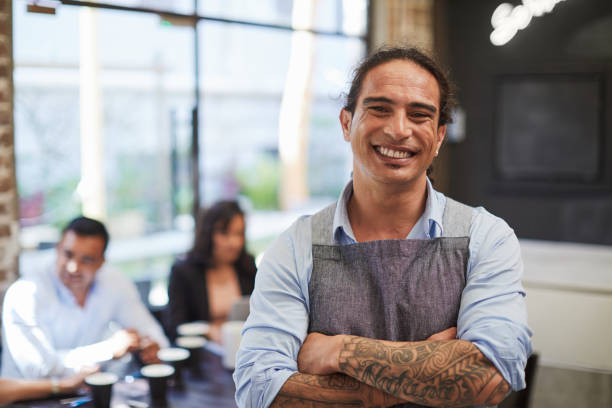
[{"x": 538, "y": 146}]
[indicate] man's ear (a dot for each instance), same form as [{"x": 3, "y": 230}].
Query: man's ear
[
  {"x": 345, "y": 121},
  {"x": 441, "y": 136}
]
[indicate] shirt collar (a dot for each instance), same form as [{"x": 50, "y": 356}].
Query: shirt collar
[{"x": 428, "y": 226}]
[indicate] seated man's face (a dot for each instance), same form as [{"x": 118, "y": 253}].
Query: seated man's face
[{"x": 78, "y": 259}]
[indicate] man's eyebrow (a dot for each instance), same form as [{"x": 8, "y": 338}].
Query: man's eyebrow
[
  {"x": 425, "y": 106},
  {"x": 382, "y": 99},
  {"x": 376, "y": 99}
]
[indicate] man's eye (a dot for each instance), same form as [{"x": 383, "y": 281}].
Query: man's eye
[
  {"x": 379, "y": 108},
  {"x": 88, "y": 261}
]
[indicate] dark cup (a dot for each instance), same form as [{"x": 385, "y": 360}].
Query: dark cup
[
  {"x": 177, "y": 358},
  {"x": 158, "y": 375},
  {"x": 101, "y": 385},
  {"x": 194, "y": 344}
]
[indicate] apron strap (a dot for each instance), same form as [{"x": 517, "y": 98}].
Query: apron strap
[
  {"x": 321, "y": 224},
  {"x": 457, "y": 219}
]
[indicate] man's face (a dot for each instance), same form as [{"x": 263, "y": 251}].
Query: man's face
[
  {"x": 78, "y": 259},
  {"x": 394, "y": 131}
]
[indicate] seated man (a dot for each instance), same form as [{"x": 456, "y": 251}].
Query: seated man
[{"x": 75, "y": 314}]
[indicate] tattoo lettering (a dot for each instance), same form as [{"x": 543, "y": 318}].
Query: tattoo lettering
[
  {"x": 447, "y": 372},
  {"x": 337, "y": 390}
]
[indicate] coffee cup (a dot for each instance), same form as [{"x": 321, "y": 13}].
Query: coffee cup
[
  {"x": 158, "y": 375},
  {"x": 101, "y": 386},
  {"x": 198, "y": 328},
  {"x": 194, "y": 344},
  {"x": 176, "y": 357},
  {"x": 231, "y": 333}
]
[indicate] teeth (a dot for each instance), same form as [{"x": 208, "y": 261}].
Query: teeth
[{"x": 396, "y": 154}]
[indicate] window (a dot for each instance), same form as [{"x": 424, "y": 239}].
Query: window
[{"x": 103, "y": 117}]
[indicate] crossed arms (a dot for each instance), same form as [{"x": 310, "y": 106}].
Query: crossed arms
[
  {"x": 356, "y": 371},
  {"x": 273, "y": 367}
]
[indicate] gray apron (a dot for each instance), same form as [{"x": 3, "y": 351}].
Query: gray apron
[{"x": 398, "y": 290}]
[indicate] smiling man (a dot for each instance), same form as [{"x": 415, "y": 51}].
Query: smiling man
[
  {"x": 75, "y": 314},
  {"x": 396, "y": 294}
]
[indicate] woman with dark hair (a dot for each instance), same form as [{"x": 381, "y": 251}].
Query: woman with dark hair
[{"x": 215, "y": 273}]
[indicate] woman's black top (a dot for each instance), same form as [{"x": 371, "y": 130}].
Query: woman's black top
[{"x": 188, "y": 295}]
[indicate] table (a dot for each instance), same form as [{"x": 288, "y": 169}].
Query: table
[{"x": 214, "y": 388}]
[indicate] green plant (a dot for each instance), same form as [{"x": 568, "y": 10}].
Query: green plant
[{"x": 260, "y": 183}]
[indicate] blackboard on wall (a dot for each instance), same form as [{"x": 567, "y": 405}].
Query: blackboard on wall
[{"x": 549, "y": 128}]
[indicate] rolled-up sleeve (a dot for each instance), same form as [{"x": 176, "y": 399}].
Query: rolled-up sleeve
[
  {"x": 278, "y": 320},
  {"x": 493, "y": 313}
]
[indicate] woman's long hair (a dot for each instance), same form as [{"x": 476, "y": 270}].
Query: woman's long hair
[{"x": 216, "y": 219}]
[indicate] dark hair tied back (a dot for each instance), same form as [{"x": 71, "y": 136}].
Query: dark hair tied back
[{"x": 415, "y": 55}]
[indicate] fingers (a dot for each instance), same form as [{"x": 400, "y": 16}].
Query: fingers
[
  {"x": 148, "y": 350},
  {"x": 448, "y": 334},
  {"x": 125, "y": 341},
  {"x": 319, "y": 354},
  {"x": 148, "y": 353}
]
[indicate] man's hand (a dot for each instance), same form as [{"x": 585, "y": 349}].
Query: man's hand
[
  {"x": 448, "y": 334},
  {"x": 319, "y": 354},
  {"x": 125, "y": 341},
  {"x": 148, "y": 350},
  {"x": 75, "y": 381}
]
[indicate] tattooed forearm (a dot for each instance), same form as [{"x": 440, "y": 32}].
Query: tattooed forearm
[
  {"x": 435, "y": 373},
  {"x": 500, "y": 392},
  {"x": 337, "y": 390}
]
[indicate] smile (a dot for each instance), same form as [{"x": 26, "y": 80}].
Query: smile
[{"x": 394, "y": 154}]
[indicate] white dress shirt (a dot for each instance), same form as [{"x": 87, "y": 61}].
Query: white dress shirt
[{"x": 45, "y": 333}]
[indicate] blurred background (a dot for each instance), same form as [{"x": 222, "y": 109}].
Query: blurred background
[{"x": 139, "y": 112}]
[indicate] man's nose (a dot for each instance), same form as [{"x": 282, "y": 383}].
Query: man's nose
[
  {"x": 398, "y": 127},
  {"x": 72, "y": 266}
]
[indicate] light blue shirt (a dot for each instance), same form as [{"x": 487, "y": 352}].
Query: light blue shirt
[
  {"x": 45, "y": 333},
  {"x": 492, "y": 314}
]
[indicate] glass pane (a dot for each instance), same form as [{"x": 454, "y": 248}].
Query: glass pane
[
  {"x": 345, "y": 16},
  {"x": 173, "y": 6},
  {"x": 46, "y": 112},
  {"x": 243, "y": 71},
  {"x": 329, "y": 156},
  {"x": 147, "y": 71},
  {"x": 246, "y": 74},
  {"x": 260, "y": 11},
  {"x": 144, "y": 76}
]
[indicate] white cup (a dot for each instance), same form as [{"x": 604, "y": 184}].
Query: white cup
[
  {"x": 198, "y": 328},
  {"x": 231, "y": 333}
]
